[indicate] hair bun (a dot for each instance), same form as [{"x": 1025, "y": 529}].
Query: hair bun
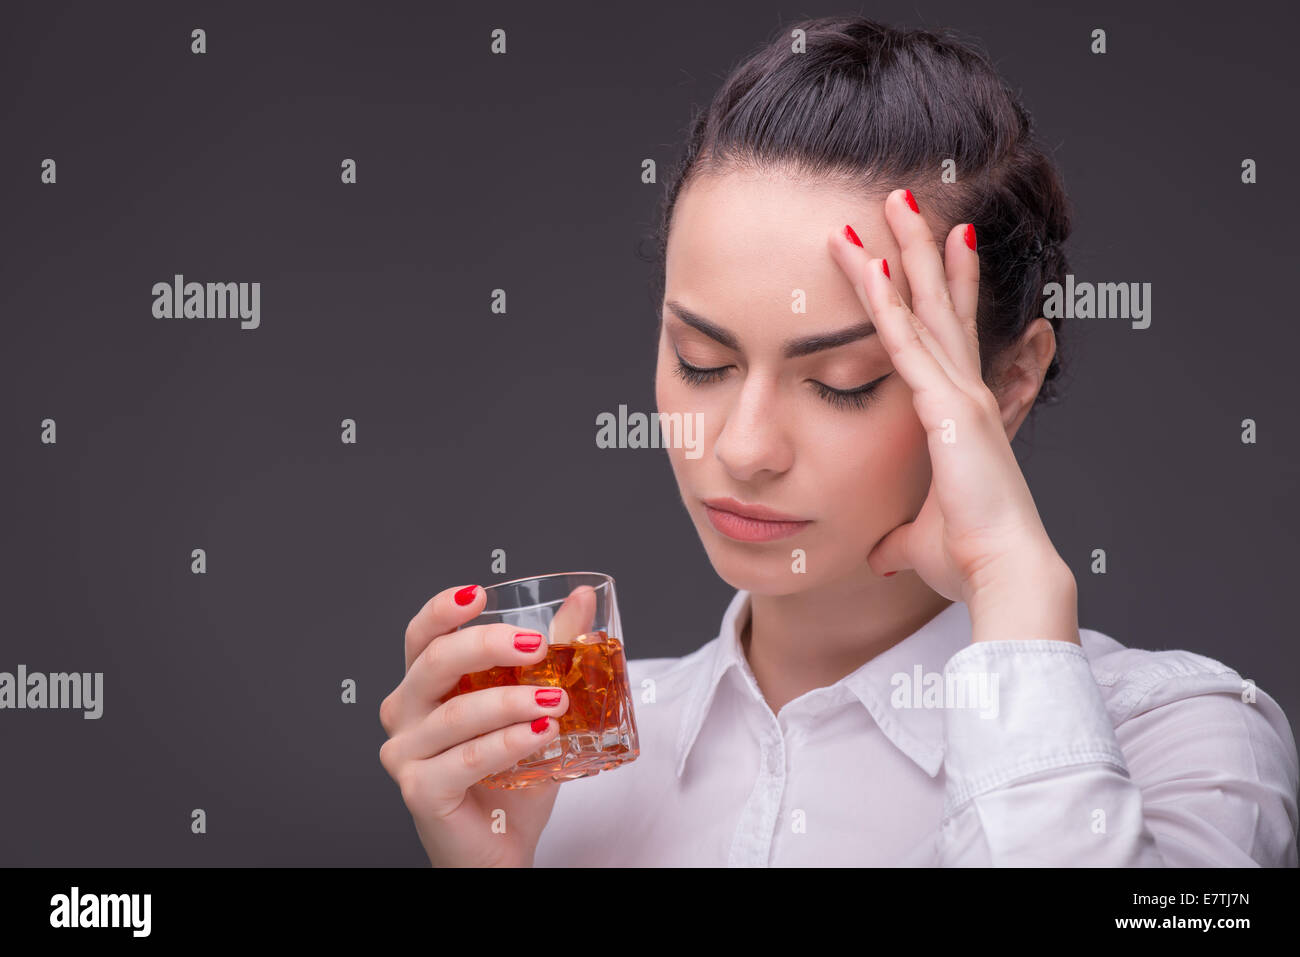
[{"x": 1040, "y": 249}]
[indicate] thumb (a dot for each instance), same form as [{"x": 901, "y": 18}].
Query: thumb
[
  {"x": 575, "y": 616},
  {"x": 890, "y": 555}
]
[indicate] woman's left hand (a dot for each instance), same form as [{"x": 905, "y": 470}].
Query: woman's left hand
[{"x": 978, "y": 529}]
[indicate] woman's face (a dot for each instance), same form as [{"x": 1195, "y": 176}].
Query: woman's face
[{"x": 748, "y": 255}]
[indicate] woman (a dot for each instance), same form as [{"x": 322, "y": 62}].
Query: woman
[{"x": 855, "y": 248}]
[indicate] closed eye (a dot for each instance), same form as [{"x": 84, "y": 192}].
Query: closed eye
[
  {"x": 695, "y": 375},
  {"x": 857, "y": 398}
]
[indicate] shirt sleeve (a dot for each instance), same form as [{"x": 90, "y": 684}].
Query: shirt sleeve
[{"x": 1191, "y": 775}]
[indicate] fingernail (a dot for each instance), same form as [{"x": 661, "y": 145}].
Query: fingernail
[
  {"x": 541, "y": 724},
  {"x": 466, "y": 595},
  {"x": 884, "y": 264},
  {"x": 907, "y": 193},
  {"x": 887, "y": 574},
  {"x": 547, "y": 699},
  {"x": 852, "y": 236},
  {"x": 527, "y": 640},
  {"x": 970, "y": 235}
]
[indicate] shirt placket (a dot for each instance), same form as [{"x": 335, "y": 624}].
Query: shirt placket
[{"x": 752, "y": 846}]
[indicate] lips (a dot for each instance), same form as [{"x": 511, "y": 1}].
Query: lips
[
  {"x": 760, "y": 512},
  {"x": 751, "y": 523}
]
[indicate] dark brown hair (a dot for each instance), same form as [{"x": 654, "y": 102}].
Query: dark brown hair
[{"x": 873, "y": 108}]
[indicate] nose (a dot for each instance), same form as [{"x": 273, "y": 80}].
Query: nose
[{"x": 754, "y": 438}]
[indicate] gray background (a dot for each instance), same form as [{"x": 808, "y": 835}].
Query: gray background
[{"x": 477, "y": 431}]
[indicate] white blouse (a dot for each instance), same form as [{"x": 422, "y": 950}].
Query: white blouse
[{"x": 938, "y": 752}]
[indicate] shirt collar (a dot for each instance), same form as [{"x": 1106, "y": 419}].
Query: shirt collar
[{"x": 917, "y": 732}]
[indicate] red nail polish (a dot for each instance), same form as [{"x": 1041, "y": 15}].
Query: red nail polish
[
  {"x": 546, "y": 698},
  {"x": 910, "y": 201},
  {"x": 465, "y": 595},
  {"x": 527, "y": 640},
  {"x": 970, "y": 235},
  {"x": 541, "y": 724},
  {"x": 884, "y": 264},
  {"x": 852, "y": 236},
  {"x": 887, "y": 574}
]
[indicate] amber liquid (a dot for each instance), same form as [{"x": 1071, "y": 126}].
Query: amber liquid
[{"x": 597, "y": 732}]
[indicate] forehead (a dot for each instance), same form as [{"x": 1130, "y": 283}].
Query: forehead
[{"x": 745, "y": 241}]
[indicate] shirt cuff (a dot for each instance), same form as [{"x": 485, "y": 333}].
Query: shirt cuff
[{"x": 1019, "y": 708}]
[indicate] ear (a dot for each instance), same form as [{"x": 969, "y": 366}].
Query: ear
[{"x": 1021, "y": 372}]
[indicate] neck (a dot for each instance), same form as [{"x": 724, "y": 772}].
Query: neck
[{"x": 812, "y": 639}]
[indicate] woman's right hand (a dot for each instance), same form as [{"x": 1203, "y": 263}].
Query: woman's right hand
[{"x": 437, "y": 751}]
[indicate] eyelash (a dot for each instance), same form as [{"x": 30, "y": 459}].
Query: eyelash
[{"x": 858, "y": 398}]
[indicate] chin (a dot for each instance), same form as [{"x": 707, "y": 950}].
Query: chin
[{"x": 760, "y": 569}]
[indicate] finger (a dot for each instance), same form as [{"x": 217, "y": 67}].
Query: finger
[
  {"x": 866, "y": 274},
  {"x": 441, "y": 781},
  {"x": 442, "y": 613},
  {"x": 923, "y": 268},
  {"x": 905, "y": 338},
  {"x": 469, "y": 716},
  {"x": 576, "y": 616},
  {"x": 963, "y": 268},
  {"x": 890, "y": 553},
  {"x": 893, "y": 553},
  {"x": 444, "y": 660}
]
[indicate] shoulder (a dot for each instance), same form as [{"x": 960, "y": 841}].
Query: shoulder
[
  {"x": 1141, "y": 687},
  {"x": 1135, "y": 680},
  {"x": 1179, "y": 715},
  {"x": 1204, "y": 744}
]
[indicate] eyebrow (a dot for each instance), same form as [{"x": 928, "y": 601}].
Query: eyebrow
[{"x": 803, "y": 346}]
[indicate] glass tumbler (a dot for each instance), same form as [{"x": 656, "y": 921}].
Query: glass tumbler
[{"x": 577, "y": 614}]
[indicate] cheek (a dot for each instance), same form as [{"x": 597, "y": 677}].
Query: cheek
[
  {"x": 878, "y": 469},
  {"x": 671, "y": 396}
]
